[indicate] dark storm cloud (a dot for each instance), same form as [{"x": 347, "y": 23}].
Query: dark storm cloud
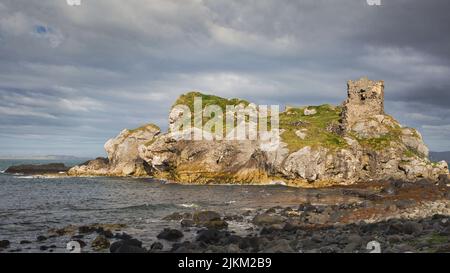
[{"x": 71, "y": 77}]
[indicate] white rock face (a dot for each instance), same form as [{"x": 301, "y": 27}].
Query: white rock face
[
  {"x": 363, "y": 145},
  {"x": 306, "y": 163},
  {"x": 413, "y": 140},
  {"x": 301, "y": 133},
  {"x": 309, "y": 112},
  {"x": 123, "y": 155}
]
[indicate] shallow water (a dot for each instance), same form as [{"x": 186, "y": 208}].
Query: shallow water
[{"x": 31, "y": 206}]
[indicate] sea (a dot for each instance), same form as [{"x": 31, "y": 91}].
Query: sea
[{"x": 31, "y": 206}]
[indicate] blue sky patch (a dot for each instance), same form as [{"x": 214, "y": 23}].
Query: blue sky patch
[{"x": 41, "y": 29}]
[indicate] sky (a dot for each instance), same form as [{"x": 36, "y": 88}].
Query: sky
[{"x": 71, "y": 77}]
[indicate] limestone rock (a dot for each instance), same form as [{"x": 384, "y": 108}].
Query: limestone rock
[
  {"x": 414, "y": 141},
  {"x": 98, "y": 166},
  {"x": 325, "y": 145},
  {"x": 123, "y": 155},
  {"x": 307, "y": 163},
  {"x": 301, "y": 133},
  {"x": 309, "y": 112},
  {"x": 123, "y": 151}
]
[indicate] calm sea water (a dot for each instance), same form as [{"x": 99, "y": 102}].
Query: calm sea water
[{"x": 31, "y": 206}]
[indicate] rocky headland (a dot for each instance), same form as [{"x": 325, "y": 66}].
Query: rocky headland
[
  {"x": 320, "y": 146},
  {"x": 379, "y": 191}
]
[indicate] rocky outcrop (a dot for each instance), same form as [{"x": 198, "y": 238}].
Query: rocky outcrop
[
  {"x": 98, "y": 166},
  {"x": 123, "y": 156},
  {"x": 320, "y": 146},
  {"x": 123, "y": 152},
  {"x": 52, "y": 168}
]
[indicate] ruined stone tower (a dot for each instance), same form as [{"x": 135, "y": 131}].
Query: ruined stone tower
[{"x": 365, "y": 99}]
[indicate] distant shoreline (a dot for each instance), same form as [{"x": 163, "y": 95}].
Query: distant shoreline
[{"x": 49, "y": 157}]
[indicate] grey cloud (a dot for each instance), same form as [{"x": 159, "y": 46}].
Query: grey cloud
[{"x": 113, "y": 64}]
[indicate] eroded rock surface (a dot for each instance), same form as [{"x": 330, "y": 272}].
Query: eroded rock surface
[{"x": 320, "y": 146}]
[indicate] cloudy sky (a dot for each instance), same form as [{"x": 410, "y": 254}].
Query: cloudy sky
[{"x": 73, "y": 76}]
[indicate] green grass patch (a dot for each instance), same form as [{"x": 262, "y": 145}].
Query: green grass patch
[
  {"x": 144, "y": 127},
  {"x": 188, "y": 100},
  {"x": 316, "y": 125},
  {"x": 437, "y": 239},
  {"x": 382, "y": 142}
]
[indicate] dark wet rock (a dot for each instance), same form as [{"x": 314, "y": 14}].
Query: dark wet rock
[
  {"x": 439, "y": 217},
  {"x": 127, "y": 246},
  {"x": 170, "y": 234},
  {"x": 267, "y": 219},
  {"x": 43, "y": 248},
  {"x": 279, "y": 246},
  {"x": 275, "y": 228},
  {"x": 176, "y": 216},
  {"x": 394, "y": 239},
  {"x": 409, "y": 227},
  {"x": 209, "y": 219},
  {"x": 4, "y": 243},
  {"x": 187, "y": 223},
  {"x": 41, "y": 238},
  {"x": 216, "y": 224},
  {"x": 272, "y": 210},
  {"x": 107, "y": 233},
  {"x": 205, "y": 216},
  {"x": 25, "y": 242},
  {"x": 211, "y": 236},
  {"x": 100, "y": 242},
  {"x": 186, "y": 247},
  {"x": 247, "y": 213},
  {"x": 445, "y": 248},
  {"x": 235, "y": 218},
  {"x": 37, "y": 169},
  {"x": 315, "y": 218},
  {"x": 292, "y": 226},
  {"x": 122, "y": 236},
  {"x": 81, "y": 242},
  {"x": 86, "y": 229},
  {"x": 445, "y": 231},
  {"x": 232, "y": 239},
  {"x": 356, "y": 239},
  {"x": 402, "y": 248},
  {"x": 350, "y": 248},
  {"x": 252, "y": 244},
  {"x": 307, "y": 207},
  {"x": 156, "y": 246},
  {"x": 330, "y": 249}
]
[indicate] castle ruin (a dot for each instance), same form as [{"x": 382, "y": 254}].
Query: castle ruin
[{"x": 365, "y": 99}]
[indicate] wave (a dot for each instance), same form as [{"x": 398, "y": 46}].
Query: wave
[
  {"x": 192, "y": 205},
  {"x": 146, "y": 207},
  {"x": 25, "y": 177}
]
